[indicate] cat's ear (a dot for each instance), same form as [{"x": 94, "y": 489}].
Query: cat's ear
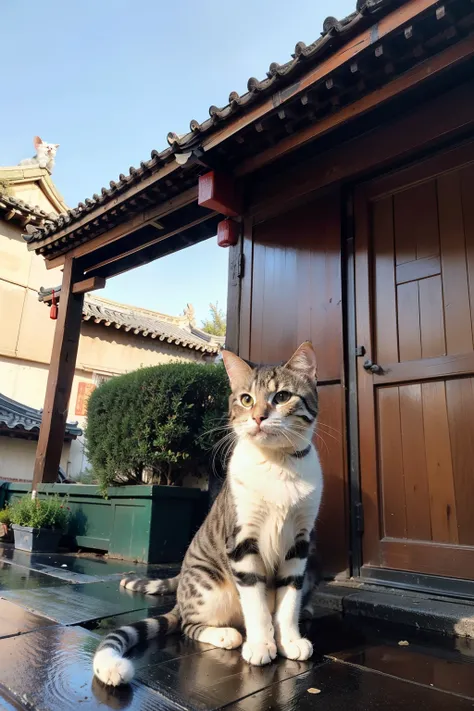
[
  {"x": 303, "y": 361},
  {"x": 37, "y": 142},
  {"x": 56, "y": 145},
  {"x": 238, "y": 370}
]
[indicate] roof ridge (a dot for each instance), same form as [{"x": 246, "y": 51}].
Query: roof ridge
[
  {"x": 152, "y": 324},
  {"x": 114, "y": 304}
]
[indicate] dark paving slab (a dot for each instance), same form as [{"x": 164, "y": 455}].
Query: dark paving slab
[
  {"x": 73, "y": 604},
  {"x": 51, "y": 670},
  {"x": 424, "y": 658},
  {"x": 338, "y": 687},
  {"x": 15, "y": 620},
  {"x": 215, "y": 678},
  {"x": 81, "y": 569}
]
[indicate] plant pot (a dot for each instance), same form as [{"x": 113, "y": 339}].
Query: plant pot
[
  {"x": 36, "y": 540},
  {"x": 144, "y": 523}
]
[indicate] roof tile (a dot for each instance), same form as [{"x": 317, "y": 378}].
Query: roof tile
[{"x": 334, "y": 33}]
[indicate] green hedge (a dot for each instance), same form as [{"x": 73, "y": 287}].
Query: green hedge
[{"x": 164, "y": 420}]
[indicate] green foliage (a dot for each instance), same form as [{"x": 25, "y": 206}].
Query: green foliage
[
  {"x": 49, "y": 512},
  {"x": 157, "y": 424},
  {"x": 216, "y": 324},
  {"x": 87, "y": 477},
  {"x": 5, "y": 516}
]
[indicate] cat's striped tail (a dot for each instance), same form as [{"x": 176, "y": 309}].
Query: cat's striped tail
[
  {"x": 111, "y": 667},
  {"x": 150, "y": 587}
]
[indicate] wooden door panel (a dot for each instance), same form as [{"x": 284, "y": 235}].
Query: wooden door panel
[
  {"x": 416, "y": 225},
  {"x": 460, "y": 400},
  {"x": 385, "y": 306},
  {"x": 457, "y": 312},
  {"x": 432, "y": 332},
  {"x": 332, "y": 536},
  {"x": 467, "y": 181},
  {"x": 419, "y": 557},
  {"x": 394, "y": 511},
  {"x": 292, "y": 292},
  {"x": 296, "y": 287},
  {"x": 439, "y": 466},
  {"x": 416, "y": 463},
  {"x": 409, "y": 337},
  {"x": 414, "y": 304}
]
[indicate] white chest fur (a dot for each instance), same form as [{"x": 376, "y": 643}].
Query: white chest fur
[{"x": 275, "y": 497}]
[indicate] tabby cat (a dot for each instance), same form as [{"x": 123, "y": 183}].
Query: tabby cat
[{"x": 245, "y": 568}]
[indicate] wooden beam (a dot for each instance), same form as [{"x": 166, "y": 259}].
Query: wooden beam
[
  {"x": 125, "y": 228},
  {"x": 219, "y": 192},
  {"x": 351, "y": 50},
  {"x": 161, "y": 249},
  {"x": 60, "y": 377},
  {"x": 86, "y": 285},
  {"x": 233, "y": 297},
  {"x": 427, "y": 69},
  {"x": 151, "y": 242},
  {"x": 444, "y": 117}
]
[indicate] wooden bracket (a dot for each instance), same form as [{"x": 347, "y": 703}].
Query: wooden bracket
[
  {"x": 91, "y": 284},
  {"x": 219, "y": 192}
]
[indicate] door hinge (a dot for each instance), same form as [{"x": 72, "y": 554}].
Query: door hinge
[
  {"x": 359, "y": 518},
  {"x": 241, "y": 266}
]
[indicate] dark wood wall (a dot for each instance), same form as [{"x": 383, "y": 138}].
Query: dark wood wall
[{"x": 291, "y": 292}]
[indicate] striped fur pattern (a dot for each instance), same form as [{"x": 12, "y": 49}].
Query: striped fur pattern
[{"x": 245, "y": 572}]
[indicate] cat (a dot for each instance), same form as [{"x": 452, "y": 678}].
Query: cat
[
  {"x": 245, "y": 567},
  {"x": 45, "y": 154}
]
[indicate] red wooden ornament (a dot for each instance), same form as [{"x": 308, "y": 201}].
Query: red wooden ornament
[
  {"x": 53, "y": 312},
  {"x": 219, "y": 192},
  {"x": 228, "y": 232}
]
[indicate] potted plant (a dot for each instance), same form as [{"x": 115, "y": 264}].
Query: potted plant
[
  {"x": 38, "y": 524},
  {"x": 5, "y": 525}
]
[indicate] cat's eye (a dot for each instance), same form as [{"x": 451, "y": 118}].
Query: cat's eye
[
  {"x": 246, "y": 400},
  {"x": 281, "y": 397}
]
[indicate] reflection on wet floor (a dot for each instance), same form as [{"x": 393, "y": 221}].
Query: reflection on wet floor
[
  {"x": 50, "y": 627},
  {"x": 81, "y": 568}
]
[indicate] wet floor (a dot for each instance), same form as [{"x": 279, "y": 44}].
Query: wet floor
[{"x": 51, "y": 625}]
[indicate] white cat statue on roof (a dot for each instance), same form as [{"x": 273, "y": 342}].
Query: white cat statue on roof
[{"x": 45, "y": 154}]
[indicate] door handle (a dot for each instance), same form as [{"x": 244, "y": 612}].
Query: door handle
[{"x": 373, "y": 368}]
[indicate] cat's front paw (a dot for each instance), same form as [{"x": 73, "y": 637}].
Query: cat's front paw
[
  {"x": 259, "y": 653},
  {"x": 297, "y": 648}
]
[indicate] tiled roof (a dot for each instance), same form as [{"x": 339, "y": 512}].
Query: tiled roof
[
  {"x": 334, "y": 34},
  {"x": 22, "y": 419},
  {"x": 142, "y": 322},
  {"x": 12, "y": 208}
]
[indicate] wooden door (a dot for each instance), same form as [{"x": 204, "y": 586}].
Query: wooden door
[
  {"x": 291, "y": 292},
  {"x": 415, "y": 317}
]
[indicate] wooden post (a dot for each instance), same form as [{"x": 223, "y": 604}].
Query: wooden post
[{"x": 61, "y": 374}]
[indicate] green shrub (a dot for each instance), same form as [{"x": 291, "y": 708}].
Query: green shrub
[
  {"x": 5, "y": 516},
  {"x": 161, "y": 422},
  {"x": 48, "y": 512}
]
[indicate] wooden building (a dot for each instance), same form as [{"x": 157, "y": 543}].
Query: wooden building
[{"x": 349, "y": 172}]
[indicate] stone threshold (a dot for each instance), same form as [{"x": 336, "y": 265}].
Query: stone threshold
[{"x": 424, "y": 611}]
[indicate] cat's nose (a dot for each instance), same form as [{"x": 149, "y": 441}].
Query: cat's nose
[{"x": 259, "y": 419}]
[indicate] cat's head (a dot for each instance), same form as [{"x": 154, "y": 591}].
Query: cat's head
[
  {"x": 276, "y": 407},
  {"x": 43, "y": 149}
]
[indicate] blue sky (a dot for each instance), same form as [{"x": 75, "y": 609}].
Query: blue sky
[{"x": 107, "y": 79}]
